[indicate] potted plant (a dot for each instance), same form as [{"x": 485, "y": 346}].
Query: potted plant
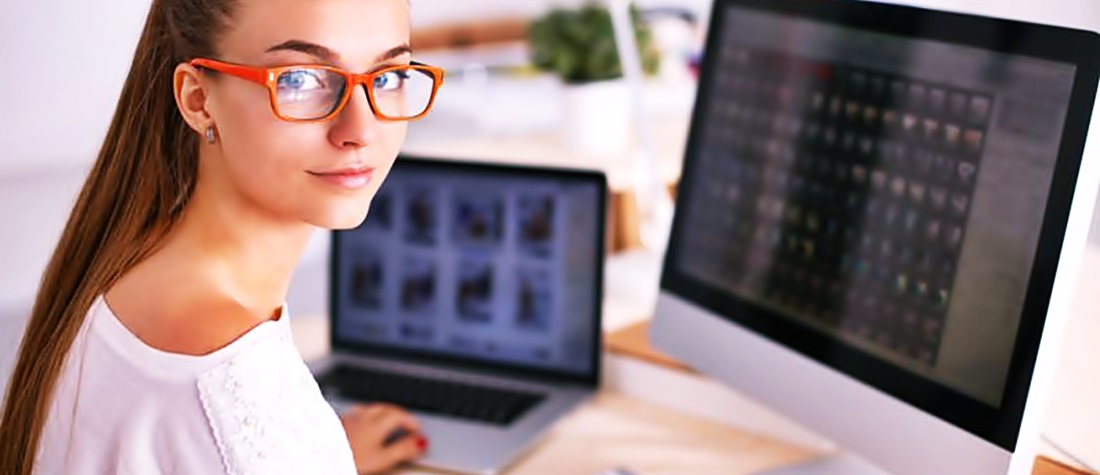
[{"x": 578, "y": 45}]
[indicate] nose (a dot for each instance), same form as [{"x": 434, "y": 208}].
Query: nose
[{"x": 356, "y": 126}]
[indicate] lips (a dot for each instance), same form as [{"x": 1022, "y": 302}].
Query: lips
[{"x": 349, "y": 178}]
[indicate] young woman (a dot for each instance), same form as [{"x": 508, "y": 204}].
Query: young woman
[{"x": 159, "y": 341}]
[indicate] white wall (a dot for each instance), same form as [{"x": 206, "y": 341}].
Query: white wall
[
  {"x": 73, "y": 57},
  {"x": 1082, "y": 14},
  {"x": 432, "y": 12}
]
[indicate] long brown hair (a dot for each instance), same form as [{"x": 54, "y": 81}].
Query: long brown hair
[{"x": 143, "y": 176}]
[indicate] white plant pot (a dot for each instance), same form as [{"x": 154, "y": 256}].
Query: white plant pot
[{"x": 596, "y": 116}]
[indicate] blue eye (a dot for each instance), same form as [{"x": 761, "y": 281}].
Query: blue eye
[
  {"x": 301, "y": 80},
  {"x": 391, "y": 80}
]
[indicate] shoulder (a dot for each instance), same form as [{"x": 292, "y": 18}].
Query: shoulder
[{"x": 181, "y": 324}]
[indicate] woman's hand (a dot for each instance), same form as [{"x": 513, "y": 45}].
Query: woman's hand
[{"x": 369, "y": 426}]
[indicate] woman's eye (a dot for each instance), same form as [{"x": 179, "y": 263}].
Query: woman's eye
[
  {"x": 301, "y": 80},
  {"x": 390, "y": 80}
]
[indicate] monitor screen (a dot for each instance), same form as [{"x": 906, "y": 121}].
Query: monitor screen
[
  {"x": 476, "y": 262},
  {"x": 872, "y": 199}
]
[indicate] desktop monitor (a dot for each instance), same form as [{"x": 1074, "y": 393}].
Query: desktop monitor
[{"x": 881, "y": 217}]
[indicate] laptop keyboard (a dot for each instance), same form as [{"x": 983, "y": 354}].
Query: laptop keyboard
[{"x": 432, "y": 396}]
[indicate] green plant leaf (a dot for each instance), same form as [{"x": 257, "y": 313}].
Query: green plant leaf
[{"x": 579, "y": 45}]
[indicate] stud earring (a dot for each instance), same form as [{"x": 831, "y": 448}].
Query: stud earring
[{"x": 210, "y": 134}]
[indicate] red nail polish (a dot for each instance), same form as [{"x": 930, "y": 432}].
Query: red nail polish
[{"x": 422, "y": 443}]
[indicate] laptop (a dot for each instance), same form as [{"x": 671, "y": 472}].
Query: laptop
[{"x": 471, "y": 296}]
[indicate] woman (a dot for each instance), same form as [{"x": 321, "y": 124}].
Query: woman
[{"x": 158, "y": 341}]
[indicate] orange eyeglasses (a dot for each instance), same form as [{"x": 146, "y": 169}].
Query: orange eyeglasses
[{"x": 317, "y": 93}]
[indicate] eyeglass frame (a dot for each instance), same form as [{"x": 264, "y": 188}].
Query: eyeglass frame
[{"x": 268, "y": 77}]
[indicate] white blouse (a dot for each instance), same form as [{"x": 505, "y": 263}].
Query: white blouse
[{"x": 252, "y": 407}]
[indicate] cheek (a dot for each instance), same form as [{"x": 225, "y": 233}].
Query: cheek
[
  {"x": 392, "y": 137},
  {"x": 273, "y": 178},
  {"x": 252, "y": 138},
  {"x": 268, "y": 160}
]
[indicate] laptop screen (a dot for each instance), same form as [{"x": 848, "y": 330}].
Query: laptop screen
[{"x": 476, "y": 262}]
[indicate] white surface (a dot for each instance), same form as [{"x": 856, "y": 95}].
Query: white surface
[
  {"x": 1083, "y": 14},
  {"x": 79, "y": 53},
  {"x": 33, "y": 211},
  {"x": 434, "y": 12},
  {"x": 1073, "y": 422},
  {"x": 11, "y": 333},
  {"x": 597, "y": 116}
]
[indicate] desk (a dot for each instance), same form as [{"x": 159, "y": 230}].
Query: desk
[{"x": 613, "y": 430}]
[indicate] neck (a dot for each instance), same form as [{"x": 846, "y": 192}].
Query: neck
[{"x": 245, "y": 252}]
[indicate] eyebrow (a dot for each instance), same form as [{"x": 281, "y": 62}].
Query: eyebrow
[
  {"x": 393, "y": 53},
  {"x": 330, "y": 56}
]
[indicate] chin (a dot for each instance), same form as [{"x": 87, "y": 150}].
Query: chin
[
  {"x": 343, "y": 224},
  {"x": 340, "y": 218}
]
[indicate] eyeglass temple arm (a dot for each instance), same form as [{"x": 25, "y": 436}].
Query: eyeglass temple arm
[{"x": 256, "y": 75}]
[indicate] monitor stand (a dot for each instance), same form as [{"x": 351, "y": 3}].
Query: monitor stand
[{"x": 832, "y": 464}]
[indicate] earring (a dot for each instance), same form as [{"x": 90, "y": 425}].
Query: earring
[{"x": 210, "y": 134}]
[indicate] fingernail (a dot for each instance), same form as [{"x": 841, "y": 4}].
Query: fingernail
[{"x": 422, "y": 443}]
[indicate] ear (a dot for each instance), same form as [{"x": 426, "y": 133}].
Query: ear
[{"x": 191, "y": 97}]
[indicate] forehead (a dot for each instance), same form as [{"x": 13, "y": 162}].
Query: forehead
[{"x": 357, "y": 30}]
